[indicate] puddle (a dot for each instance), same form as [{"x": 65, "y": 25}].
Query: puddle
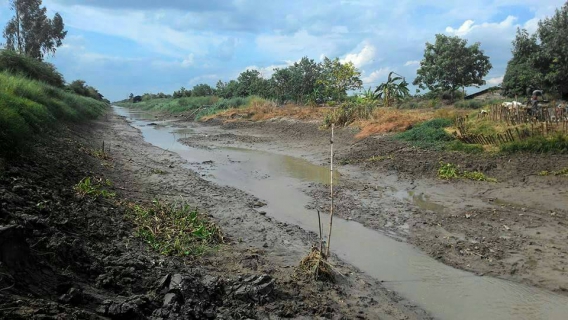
[
  {"x": 421, "y": 200},
  {"x": 443, "y": 291}
]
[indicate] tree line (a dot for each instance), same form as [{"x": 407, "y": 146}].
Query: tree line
[{"x": 540, "y": 60}]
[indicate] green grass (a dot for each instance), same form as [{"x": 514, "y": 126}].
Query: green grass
[
  {"x": 94, "y": 187},
  {"x": 429, "y": 134},
  {"x": 555, "y": 144},
  {"x": 30, "y": 68},
  {"x": 457, "y": 145},
  {"x": 30, "y": 108},
  {"x": 174, "y": 229},
  {"x": 206, "y": 105}
]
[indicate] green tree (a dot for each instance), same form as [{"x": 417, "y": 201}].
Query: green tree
[
  {"x": 251, "y": 83},
  {"x": 337, "y": 78},
  {"x": 202, "y": 90},
  {"x": 395, "y": 89},
  {"x": 450, "y": 64},
  {"x": 521, "y": 74},
  {"x": 31, "y": 32},
  {"x": 552, "y": 60}
]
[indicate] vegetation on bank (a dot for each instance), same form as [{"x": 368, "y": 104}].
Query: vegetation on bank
[{"x": 33, "y": 101}]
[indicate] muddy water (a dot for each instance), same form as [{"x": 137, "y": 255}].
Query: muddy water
[{"x": 443, "y": 291}]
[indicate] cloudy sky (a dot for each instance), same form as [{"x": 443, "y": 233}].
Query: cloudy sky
[{"x": 124, "y": 46}]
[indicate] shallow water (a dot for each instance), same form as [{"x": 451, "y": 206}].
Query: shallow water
[{"x": 443, "y": 291}]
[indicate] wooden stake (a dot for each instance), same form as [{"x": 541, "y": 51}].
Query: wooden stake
[
  {"x": 331, "y": 190},
  {"x": 321, "y": 238}
]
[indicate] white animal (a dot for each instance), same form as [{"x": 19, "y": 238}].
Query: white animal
[{"x": 511, "y": 105}]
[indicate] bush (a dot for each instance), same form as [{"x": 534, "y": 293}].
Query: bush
[
  {"x": 30, "y": 68},
  {"x": 538, "y": 144}
]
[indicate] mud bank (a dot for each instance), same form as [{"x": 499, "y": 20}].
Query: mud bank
[
  {"x": 436, "y": 287},
  {"x": 514, "y": 229},
  {"x": 64, "y": 257}
]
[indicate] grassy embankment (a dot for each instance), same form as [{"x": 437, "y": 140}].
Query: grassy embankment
[{"x": 33, "y": 101}]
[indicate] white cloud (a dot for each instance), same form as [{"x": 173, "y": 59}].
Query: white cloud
[
  {"x": 495, "y": 81},
  {"x": 464, "y": 29},
  {"x": 412, "y": 63},
  {"x": 469, "y": 25},
  {"x": 375, "y": 76},
  {"x": 140, "y": 27},
  {"x": 267, "y": 72},
  {"x": 364, "y": 57}
]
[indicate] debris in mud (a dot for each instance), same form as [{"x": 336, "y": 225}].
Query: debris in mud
[{"x": 316, "y": 265}]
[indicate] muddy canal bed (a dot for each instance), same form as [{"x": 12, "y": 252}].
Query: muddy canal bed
[{"x": 289, "y": 189}]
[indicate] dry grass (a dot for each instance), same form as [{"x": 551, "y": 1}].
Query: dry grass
[
  {"x": 384, "y": 120},
  {"x": 260, "y": 109},
  {"x": 316, "y": 265}
]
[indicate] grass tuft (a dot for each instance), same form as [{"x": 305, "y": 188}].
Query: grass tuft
[{"x": 174, "y": 229}]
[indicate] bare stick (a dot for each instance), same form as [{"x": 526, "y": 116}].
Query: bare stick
[
  {"x": 319, "y": 225},
  {"x": 331, "y": 190}
]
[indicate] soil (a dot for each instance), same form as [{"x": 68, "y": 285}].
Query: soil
[
  {"x": 514, "y": 229},
  {"x": 63, "y": 256}
]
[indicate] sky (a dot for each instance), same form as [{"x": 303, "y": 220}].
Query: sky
[{"x": 138, "y": 46}]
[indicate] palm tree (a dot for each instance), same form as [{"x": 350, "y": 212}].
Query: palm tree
[{"x": 395, "y": 89}]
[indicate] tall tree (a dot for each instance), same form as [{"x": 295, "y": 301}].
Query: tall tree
[
  {"x": 31, "y": 32},
  {"x": 202, "y": 90},
  {"x": 337, "y": 78},
  {"x": 450, "y": 64},
  {"x": 521, "y": 74},
  {"x": 552, "y": 60}
]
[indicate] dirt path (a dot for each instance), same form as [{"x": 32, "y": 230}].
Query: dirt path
[{"x": 514, "y": 229}]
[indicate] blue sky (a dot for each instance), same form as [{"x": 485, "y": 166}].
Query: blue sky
[{"x": 159, "y": 46}]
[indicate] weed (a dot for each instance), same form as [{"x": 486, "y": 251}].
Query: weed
[
  {"x": 94, "y": 188},
  {"x": 174, "y": 229},
  {"x": 447, "y": 171}
]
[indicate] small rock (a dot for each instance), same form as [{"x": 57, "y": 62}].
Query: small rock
[
  {"x": 262, "y": 213},
  {"x": 169, "y": 299}
]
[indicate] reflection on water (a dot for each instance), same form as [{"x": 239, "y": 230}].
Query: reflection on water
[{"x": 443, "y": 291}]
